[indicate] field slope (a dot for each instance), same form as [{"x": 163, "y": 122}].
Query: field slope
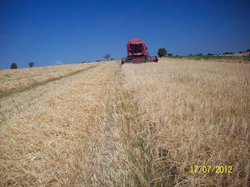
[{"x": 102, "y": 124}]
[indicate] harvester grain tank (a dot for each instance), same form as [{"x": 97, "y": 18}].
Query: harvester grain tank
[{"x": 137, "y": 52}]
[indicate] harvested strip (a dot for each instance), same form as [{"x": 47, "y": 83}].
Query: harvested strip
[
  {"x": 42, "y": 145},
  {"x": 20, "y": 84},
  {"x": 104, "y": 159},
  {"x": 12, "y": 105}
]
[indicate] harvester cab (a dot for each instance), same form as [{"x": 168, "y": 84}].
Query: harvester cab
[{"x": 137, "y": 52}]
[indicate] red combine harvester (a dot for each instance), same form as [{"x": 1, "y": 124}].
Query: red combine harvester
[{"x": 137, "y": 52}]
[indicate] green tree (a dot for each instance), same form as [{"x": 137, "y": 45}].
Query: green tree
[
  {"x": 170, "y": 54},
  {"x": 31, "y": 64},
  {"x": 13, "y": 65},
  {"x": 162, "y": 52},
  {"x": 107, "y": 56}
]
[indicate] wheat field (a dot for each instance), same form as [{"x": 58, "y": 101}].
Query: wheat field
[
  {"x": 12, "y": 81},
  {"x": 102, "y": 124}
]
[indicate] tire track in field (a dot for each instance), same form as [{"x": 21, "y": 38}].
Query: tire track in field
[{"x": 104, "y": 155}]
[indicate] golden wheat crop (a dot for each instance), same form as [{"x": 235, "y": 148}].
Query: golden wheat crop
[
  {"x": 12, "y": 81},
  {"x": 191, "y": 113},
  {"x": 131, "y": 125},
  {"x": 41, "y": 142}
]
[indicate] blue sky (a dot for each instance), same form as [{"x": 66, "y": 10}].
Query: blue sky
[{"x": 50, "y": 32}]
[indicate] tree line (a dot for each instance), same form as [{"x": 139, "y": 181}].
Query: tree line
[
  {"x": 14, "y": 65},
  {"x": 31, "y": 64},
  {"x": 162, "y": 52}
]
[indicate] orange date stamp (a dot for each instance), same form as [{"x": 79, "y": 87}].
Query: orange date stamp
[{"x": 227, "y": 169}]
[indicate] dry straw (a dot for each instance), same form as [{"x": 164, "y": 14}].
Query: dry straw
[
  {"x": 12, "y": 81},
  {"x": 41, "y": 143},
  {"x": 135, "y": 125},
  {"x": 192, "y": 113}
]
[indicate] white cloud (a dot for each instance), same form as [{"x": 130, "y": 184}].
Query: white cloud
[{"x": 58, "y": 62}]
